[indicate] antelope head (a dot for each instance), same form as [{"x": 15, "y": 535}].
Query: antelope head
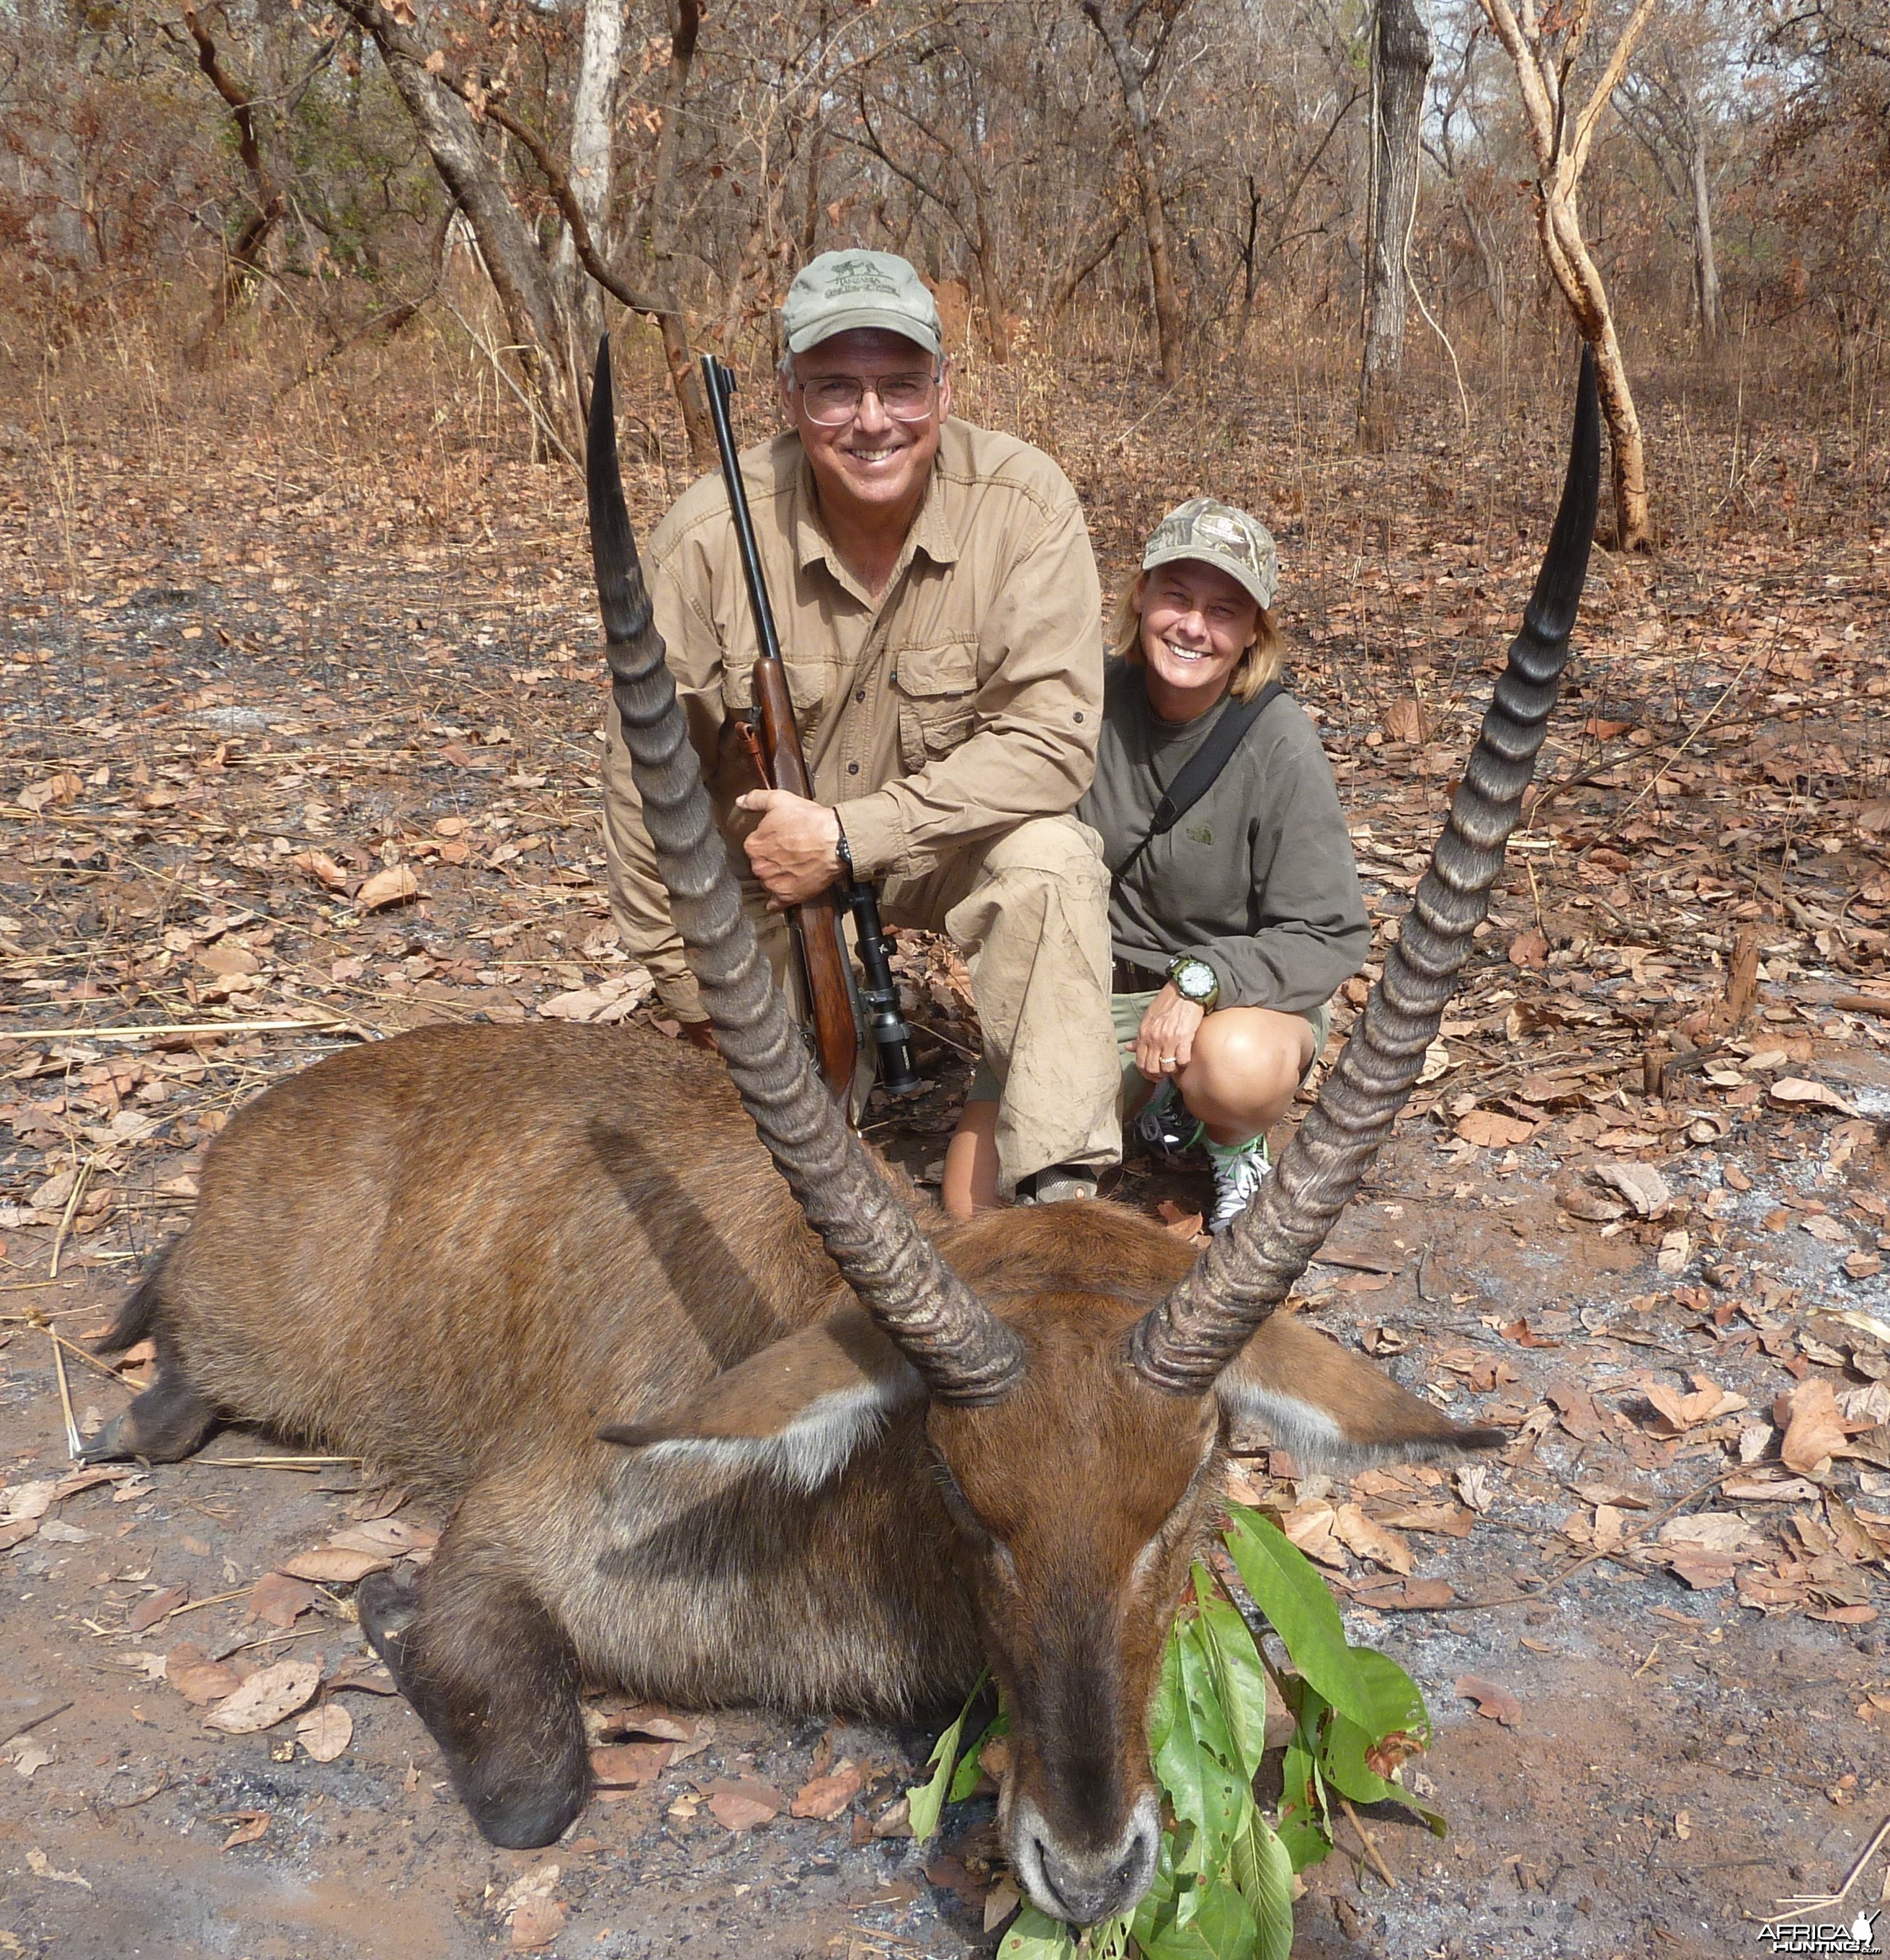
[{"x": 1073, "y": 1372}]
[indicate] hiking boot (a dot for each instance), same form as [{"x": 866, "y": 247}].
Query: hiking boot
[
  {"x": 1056, "y": 1183},
  {"x": 1165, "y": 1122},
  {"x": 1239, "y": 1169}
]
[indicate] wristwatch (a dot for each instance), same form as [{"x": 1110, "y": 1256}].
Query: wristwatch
[{"x": 1194, "y": 980}]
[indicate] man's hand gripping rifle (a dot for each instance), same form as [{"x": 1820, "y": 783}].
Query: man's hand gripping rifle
[{"x": 774, "y": 749}]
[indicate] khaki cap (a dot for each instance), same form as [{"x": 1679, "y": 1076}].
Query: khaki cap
[
  {"x": 1218, "y": 534},
  {"x": 842, "y": 291}
]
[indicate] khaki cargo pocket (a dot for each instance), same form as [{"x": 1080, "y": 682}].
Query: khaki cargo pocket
[{"x": 936, "y": 686}]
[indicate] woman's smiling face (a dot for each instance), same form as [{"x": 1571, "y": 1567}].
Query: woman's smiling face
[{"x": 1197, "y": 622}]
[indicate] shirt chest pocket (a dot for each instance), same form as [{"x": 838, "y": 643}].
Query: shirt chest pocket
[
  {"x": 936, "y": 688},
  {"x": 809, "y": 685}
]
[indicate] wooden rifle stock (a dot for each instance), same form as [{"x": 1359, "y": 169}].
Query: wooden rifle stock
[{"x": 820, "y": 943}]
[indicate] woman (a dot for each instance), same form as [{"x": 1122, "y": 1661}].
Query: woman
[{"x": 1232, "y": 929}]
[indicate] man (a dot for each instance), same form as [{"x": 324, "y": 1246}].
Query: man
[{"x": 938, "y": 612}]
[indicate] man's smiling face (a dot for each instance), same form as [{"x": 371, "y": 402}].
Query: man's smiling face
[{"x": 873, "y": 466}]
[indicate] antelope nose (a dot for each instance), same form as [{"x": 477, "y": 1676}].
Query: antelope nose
[{"x": 1089, "y": 1886}]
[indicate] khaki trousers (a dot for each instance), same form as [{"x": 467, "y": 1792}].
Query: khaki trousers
[{"x": 1029, "y": 912}]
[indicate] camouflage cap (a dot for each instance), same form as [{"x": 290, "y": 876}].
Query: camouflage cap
[
  {"x": 1218, "y": 534},
  {"x": 842, "y": 291}
]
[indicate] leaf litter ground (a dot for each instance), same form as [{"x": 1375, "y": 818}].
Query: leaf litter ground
[{"x": 299, "y": 705}]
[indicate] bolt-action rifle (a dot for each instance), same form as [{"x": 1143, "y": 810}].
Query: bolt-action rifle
[{"x": 773, "y": 740}]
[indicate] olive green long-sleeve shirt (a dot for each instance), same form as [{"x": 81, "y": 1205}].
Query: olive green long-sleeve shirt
[
  {"x": 964, "y": 700},
  {"x": 1257, "y": 878}
]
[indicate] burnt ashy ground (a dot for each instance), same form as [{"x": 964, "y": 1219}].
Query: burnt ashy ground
[{"x": 258, "y": 676}]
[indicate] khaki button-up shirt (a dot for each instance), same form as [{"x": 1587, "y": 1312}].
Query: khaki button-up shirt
[{"x": 963, "y": 700}]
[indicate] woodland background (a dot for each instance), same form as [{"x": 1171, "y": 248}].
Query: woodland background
[
  {"x": 1212, "y": 192},
  {"x": 299, "y": 708}
]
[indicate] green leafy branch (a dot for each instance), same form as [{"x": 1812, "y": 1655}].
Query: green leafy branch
[{"x": 1223, "y": 1885}]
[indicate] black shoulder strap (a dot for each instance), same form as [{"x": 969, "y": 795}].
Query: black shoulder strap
[{"x": 1196, "y": 776}]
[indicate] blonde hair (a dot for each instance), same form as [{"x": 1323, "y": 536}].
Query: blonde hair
[{"x": 1259, "y": 665}]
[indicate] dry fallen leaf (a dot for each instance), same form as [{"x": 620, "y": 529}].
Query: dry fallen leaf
[
  {"x": 40, "y": 1865},
  {"x": 825, "y": 1797},
  {"x": 1497, "y": 1703},
  {"x": 1814, "y": 1432},
  {"x": 740, "y": 1805},
  {"x": 1309, "y": 1526},
  {"x": 1796, "y": 1088},
  {"x": 1452, "y": 1520},
  {"x": 1702, "y": 1571},
  {"x": 277, "y": 1599},
  {"x": 250, "y": 1825},
  {"x": 1640, "y": 1184},
  {"x": 538, "y": 1922},
  {"x": 1385, "y": 1593},
  {"x": 28, "y": 1500},
  {"x": 393, "y": 887},
  {"x": 1404, "y": 720},
  {"x": 149, "y": 1611},
  {"x": 1185, "y": 1225},
  {"x": 535, "y": 1918},
  {"x": 197, "y": 1679},
  {"x": 392, "y": 1537},
  {"x": 321, "y": 868},
  {"x": 270, "y": 1696},
  {"x": 539, "y": 1883},
  {"x": 329, "y": 1566},
  {"x": 627, "y": 1766},
  {"x": 1706, "y": 1404},
  {"x": 1723, "y": 1531},
  {"x": 325, "y": 1732},
  {"x": 1000, "y": 1902},
  {"x": 1493, "y": 1130},
  {"x": 1359, "y": 1535}
]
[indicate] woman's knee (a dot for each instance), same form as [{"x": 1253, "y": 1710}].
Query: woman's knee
[{"x": 1251, "y": 1054}]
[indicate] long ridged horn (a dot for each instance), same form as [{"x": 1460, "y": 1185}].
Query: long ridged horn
[
  {"x": 1182, "y": 1344},
  {"x": 964, "y": 1352}
]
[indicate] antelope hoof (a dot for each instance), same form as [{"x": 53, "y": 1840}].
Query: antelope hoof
[
  {"x": 166, "y": 1423},
  {"x": 385, "y": 1609}
]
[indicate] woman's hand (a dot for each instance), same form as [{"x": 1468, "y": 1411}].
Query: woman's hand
[{"x": 1165, "y": 1041}]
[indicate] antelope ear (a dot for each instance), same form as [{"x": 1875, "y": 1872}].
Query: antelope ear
[
  {"x": 1329, "y": 1407},
  {"x": 799, "y": 1409}
]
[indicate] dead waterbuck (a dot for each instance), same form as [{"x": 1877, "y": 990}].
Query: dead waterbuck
[{"x": 719, "y": 1430}]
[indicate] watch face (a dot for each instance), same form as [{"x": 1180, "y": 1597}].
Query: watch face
[{"x": 1194, "y": 980}]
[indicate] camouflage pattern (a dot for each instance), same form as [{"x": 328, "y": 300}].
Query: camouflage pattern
[
  {"x": 1218, "y": 534},
  {"x": 842, "y": 291}
]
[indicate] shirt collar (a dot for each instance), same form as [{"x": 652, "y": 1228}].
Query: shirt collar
[{"x": 931, "y": 531}]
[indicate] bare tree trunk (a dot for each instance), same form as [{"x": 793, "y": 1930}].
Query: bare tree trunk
[
  {"x": 990, "y": 280},
  {"x": 1543, "y": 59},
  {"x": 1101, "y": 241},
  {"x": 591, "y": 159},
  {"x": 1133, "y": 69},
  {"x": 240, "y": 266},
  {"x": 533, "y": 318},
  {"x": 1580, "y": 280},
  {"x": 1705, "y": 270},
  {"x": 659, "y": 232},
  {"x": 1401, "y": 54}
]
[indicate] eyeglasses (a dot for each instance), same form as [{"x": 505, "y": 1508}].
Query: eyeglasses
[{"x": 834, "y": 399}]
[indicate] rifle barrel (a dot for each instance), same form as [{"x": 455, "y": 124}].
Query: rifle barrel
[{"x": 718, "y": 383}]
